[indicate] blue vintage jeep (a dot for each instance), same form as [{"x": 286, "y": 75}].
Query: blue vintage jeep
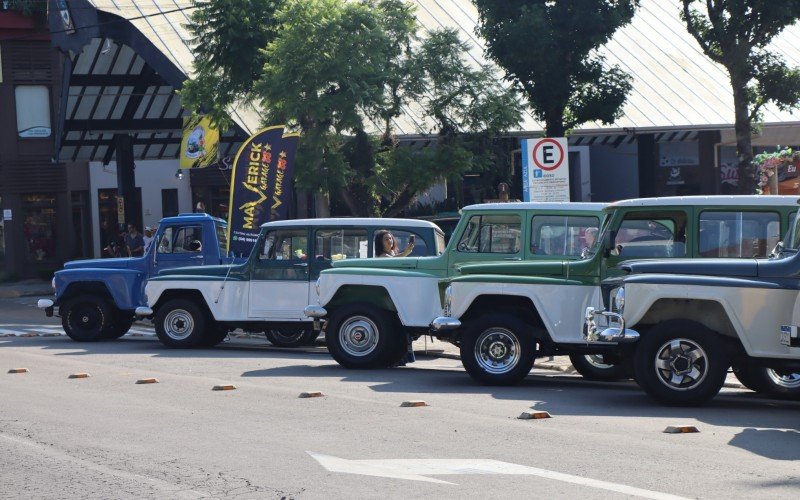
[{"x": 96, "y": 298}]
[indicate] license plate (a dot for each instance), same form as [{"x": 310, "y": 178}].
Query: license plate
[{"x": 786, "y": 335}]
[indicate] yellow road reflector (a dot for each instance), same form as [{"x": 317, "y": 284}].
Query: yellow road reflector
[
  {"x": 534, "y": 415},
  {"x": 49, "y": 334},
  {"x": 29, "y": 335},
  {"x": 79, "y": 375},
  {"x": 413, "y": 404},
  {"x": 224, "y": 387},
  {"x": 312, "y": 394},
  {"x": 18, "y": 370},
  {"x": 680, "y": 429},
  {"x": 147, "y": 381}
]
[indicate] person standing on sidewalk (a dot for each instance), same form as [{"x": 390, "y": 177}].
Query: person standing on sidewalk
[{"x": 134, "y": 241}]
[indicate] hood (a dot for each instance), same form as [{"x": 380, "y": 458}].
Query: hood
[
  {"x": 122, "y": 263},
  {"x": 706, "y": 267},
  {"x": 548, "y": 268},
  {"x": 380, "y": 262}
]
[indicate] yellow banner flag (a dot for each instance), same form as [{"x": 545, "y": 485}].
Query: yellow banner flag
[{"x": 200, "y": 142}]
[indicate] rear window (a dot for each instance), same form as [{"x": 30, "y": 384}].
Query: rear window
[
  {"x": 491, "y": 234},
  {"x": 738, "y": 234},
  {"x": 642, "y": 235},
  {"x": 222, "y": 238},
  {"x": 563, "y": 234},
  {"x": 340, "y": 244}
]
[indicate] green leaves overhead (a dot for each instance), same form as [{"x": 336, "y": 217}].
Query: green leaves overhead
[
  {"x": 549, "y": 49},
  {"x": 341, "y": 70}
]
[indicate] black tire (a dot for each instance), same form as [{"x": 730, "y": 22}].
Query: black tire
[
  {"x": 291, "y": 338},
  {"x": 122, "y": 322},
  {"x": 361, "y": 335},
  {"x": 215, "y": 333},
  {"x": 679, "y": 362},
  {"x": 181, "y": 324},
  {"x": 774, "y": 383},
  {"x": 498, "y": 349},
  {"x": 594, "y": 367},
  {"x": 86, "y": 318}
]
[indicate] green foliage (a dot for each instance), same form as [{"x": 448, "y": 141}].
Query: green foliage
[
  {"x": 736, "y": 34},
  {"x": 343, "y": 72},
  {"x": 549, "y": 49},
  {"x": 227, "y": 37}
]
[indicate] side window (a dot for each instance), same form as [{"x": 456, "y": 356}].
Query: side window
[
  {"x": 222, "y": 238},
  {"x": 339, "y": 244},
  {"x": 562, "y": 235},
  {"x": 181, "y": 240},
  {"x": 738, "y": 234},
  {"x": 643, "y": 236},
  {"x": 285, "y": 244},
  {"x": 491, "y": 234},
  {"x": 420, "y": 247}
]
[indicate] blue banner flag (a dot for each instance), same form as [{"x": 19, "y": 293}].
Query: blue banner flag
[{"x": 261, "y": 185}]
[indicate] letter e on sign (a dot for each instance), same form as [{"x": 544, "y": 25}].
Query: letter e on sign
[{"x": 548, "y": 154}]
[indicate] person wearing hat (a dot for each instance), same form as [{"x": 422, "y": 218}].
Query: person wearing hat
[{"x": 148, "y": 237}]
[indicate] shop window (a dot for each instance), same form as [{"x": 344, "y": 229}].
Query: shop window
[
  {"x": 562, "y": 235},
  {"x": 169, "y": 202},
  {"x": 214, "y": 199},
  {"x": 33, "y": 111},
  {"x": 110, "y": 228},
  {"x": 39, "y": 226},
  {"x": 738, "y": 234},
  {"x": 2, "y": 239}
]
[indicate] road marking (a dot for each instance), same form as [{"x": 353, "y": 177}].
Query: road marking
[{"x": 419, "y": 470}]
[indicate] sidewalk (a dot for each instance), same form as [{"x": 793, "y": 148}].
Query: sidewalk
[{"x": 25, "y": 288}]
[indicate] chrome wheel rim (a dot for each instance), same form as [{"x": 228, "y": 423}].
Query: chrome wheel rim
[
  {"x": 597, "y": 361},
  {"x": 787, "y": 380},
  {"x": 681, "y": 364},
  {"x": 358, "y": 336},
  {"x": 178, "y": 324},
  {"x": 497, "y": 351}
]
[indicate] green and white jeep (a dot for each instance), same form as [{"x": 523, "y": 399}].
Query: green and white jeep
[
  {"x": 373, "y": 307},
  {"x": 506, "y": 314},
  {"x": 198, "y": 306}
]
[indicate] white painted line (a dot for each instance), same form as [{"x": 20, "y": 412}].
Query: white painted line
[{"x": 419, "y": 469}]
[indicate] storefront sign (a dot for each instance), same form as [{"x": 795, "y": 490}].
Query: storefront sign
[
  {"x": 120, "y": 210},
  {"x": 66, "y": 19},
  {"x": 261, "y": 185},
  {"x": 6, "y": 214},
  {"x": 545, "y": 169}
]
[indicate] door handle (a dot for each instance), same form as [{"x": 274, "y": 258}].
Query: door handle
[
  {"x": 196, "y": 257},
  {"x": 512, "y": 258},
  {"x": 300, "y": 264}
]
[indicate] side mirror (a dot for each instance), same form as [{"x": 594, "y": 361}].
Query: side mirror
[{"x": 777, "y": 250}]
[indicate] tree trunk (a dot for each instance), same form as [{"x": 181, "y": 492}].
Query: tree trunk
[
  {"x": 322, "y": 204},
  {"x": 744, "y": 144},
  {"x": 554, "y": 123},
  {"x": 401, "y": 203}
]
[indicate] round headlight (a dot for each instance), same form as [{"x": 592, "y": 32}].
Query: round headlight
[{"x": 619, "y": 300}]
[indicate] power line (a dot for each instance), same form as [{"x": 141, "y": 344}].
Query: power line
[{"x": 113, "y": 21}]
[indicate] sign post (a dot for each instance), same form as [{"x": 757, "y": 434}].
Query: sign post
[{"x": 545, "y": 169}]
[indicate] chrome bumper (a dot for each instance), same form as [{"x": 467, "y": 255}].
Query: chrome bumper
[
  {"x": 315, "y": 312},
  {"x": 143, "y": 312},
  {"x": 618, "y": 334},
  {"x": 444, "y": 323},
  {"x": 47, "y": 305}
]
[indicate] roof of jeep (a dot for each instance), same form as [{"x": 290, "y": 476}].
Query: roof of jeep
[
  {"x": 190, "y": 217},
  {"x": 388, "y": 222},
  {"x": 533, "y": 205},
  {"x": 745, "y": 200}
]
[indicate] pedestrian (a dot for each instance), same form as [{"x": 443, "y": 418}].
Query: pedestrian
[
  {"x": 148, "y": 237},
  {"x": 134, "y": 241}
]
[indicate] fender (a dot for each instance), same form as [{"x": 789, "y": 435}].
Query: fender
[{"x": 124, "y": 286}]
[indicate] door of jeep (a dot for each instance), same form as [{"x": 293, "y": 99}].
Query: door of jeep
[
  {"x": 279, "y": 279},
  {"x": 490, "y": 236},
  {"x": 179, "y": 246},
  {"x": 646, "y": 234}
]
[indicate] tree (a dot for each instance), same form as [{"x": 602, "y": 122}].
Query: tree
[
  {"x": 342, "y": 72},
  {"x": 550, "y": 50},
  {"x": 735, "y": 34}
]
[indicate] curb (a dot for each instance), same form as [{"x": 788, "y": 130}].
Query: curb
[{"x": 14, "y": 294}]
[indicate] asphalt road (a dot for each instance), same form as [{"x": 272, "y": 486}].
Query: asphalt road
[{"x": 107, "y": 437}]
